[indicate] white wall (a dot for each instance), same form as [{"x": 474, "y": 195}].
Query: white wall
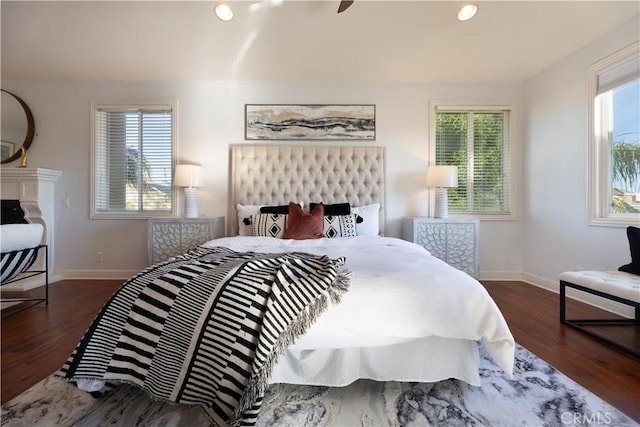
[
  {"x": 556, "y": 235},
  {"x": 210, "y": 117}
]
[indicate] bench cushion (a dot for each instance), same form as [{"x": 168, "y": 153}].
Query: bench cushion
[{"x": 618, "y": 283}]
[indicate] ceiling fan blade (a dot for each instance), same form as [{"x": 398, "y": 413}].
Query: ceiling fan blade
[{"x": 344, "y": 5}]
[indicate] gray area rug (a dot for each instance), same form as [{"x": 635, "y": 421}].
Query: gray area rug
[{"x": 538, "y": 395}]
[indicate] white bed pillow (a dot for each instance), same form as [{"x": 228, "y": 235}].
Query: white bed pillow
[
  {"x": 370, "y": 224},
  {"x": 244, "y": 218}
]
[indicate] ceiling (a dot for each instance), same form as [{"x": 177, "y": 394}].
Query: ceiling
[{"x": 268, "y": 40}]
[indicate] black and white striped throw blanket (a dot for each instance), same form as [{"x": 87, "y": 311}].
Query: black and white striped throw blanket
[{"x": 205, "y": 328}]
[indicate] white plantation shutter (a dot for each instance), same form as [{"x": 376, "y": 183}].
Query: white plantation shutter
[
  {"x": 614, "y": 138},
  {"x": 476, "y": 139},
  {"x": 619, "y": 74},
  {"x": 133, "y": 151}
]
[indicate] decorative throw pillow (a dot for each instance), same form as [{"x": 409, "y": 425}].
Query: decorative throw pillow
[
  {"x": 280, "y": 209},
  {"x": 339, "y": 226},
  {"x": 334, "y": 209},
  {"x": 269, "y": 225},
  {"x": 245, "y": 211},
  {"x": 244, "y": 218},
  {"x": 303, "y": 226},
  {"x": 633, "y": 235},
  {"x": 370, "y": 224}
]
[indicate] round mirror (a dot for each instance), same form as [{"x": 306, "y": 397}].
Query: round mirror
[{"x": 18, "y": 127}]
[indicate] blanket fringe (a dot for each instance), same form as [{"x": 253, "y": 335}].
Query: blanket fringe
[{"x": 258, "y": 382}]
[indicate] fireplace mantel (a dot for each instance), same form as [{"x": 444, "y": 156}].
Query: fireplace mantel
[
  {"x": 34, "y": 188},
  {"x": 32, "y": 174}
]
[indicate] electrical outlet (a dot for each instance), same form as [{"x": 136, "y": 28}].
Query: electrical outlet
[{"x": 99, "y": 256}]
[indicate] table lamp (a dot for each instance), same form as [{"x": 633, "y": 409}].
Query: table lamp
[
  {"x": 442, "y": 177},
  {"x": 189, "y": 177}
]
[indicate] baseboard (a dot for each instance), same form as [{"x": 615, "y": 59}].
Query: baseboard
[
  {"x": 500, "y": 276},
  {"x": 601, "y": 303},
  {"x": 99, "y": 274},
  {"x": 541, "y": 282},
  {"x": 30, "y": 283}
]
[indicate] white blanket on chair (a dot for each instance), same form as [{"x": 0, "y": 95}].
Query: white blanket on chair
[{"x": 14, "y": 237}]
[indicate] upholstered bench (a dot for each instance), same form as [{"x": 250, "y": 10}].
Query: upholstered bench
[{"x": 616, "y": 286}]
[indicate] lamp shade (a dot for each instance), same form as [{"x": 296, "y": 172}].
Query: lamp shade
[
  {"x": 442, "y": 176},
  {"x": 188, "y": 176}
]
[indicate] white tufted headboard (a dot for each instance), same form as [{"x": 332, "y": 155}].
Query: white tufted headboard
[{"x": 277, "y": 174}]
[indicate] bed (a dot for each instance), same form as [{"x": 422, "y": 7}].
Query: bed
[
  {"x": 407, "y": 317},
  {"x": 357, "y": 305},
  {"x": 275, "y": 175}
]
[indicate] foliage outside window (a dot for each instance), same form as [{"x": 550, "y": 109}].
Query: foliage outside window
[
  {"x": 614, "y": 184},
  {"x": 132, "y": 153},
  {"x": 477, "y": 140}
]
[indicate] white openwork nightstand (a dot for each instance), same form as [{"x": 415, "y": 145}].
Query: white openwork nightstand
[
  {"x": 174, "y": 236},
  {"x": 455, "y": 241}
]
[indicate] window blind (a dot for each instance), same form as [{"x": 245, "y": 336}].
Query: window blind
[
  {"x": 133, "y": 159},
  {"x": 477, "y": 141}
]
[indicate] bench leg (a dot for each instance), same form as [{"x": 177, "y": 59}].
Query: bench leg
[
  {"x": 576, "y": 323},
  {"x": 563, "y": 310}
]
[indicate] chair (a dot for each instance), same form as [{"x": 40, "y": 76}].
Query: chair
[{"x": 20, "y": 246}]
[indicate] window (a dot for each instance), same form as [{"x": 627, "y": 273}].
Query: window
[
  {"x": 132, "y": 152},
  {"x": 476, "y": 139},
  {"x": 614, "y": 155}
]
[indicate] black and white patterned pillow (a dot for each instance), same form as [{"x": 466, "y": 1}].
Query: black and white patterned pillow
[
  {"x": 339, "y": 226},
  {"x": 269, "y": 225},
  {"x": 245, "y": 212}
]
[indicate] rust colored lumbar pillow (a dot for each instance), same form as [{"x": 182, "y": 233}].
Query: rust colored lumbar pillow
[{"x": 303, "y": 226}]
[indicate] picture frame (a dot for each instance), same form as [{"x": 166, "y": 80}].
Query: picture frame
[
  {"x": 310, "y": 122},
  {"x": 7, "y": 149}
]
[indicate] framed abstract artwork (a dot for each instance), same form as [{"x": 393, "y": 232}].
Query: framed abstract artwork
[{"x": 310, "y": 122}]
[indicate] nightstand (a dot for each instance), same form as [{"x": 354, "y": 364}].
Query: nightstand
[
  {"x": 168, "y": 237},
  {"x": 455, "y": 241}
]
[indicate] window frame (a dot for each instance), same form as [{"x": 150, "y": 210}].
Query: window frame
[
  {"x": 510, "y": 152},
  {"x": 95, "y": 105},
  {"x": 598, "y": 153}
]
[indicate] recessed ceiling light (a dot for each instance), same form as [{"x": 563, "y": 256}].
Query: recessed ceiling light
[
  {"x": 224, "y": 12},
  {"x": 467, "y": 12}
]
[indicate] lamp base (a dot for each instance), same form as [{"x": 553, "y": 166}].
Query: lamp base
[
  {"x": 441, "y": 209},
  {"x": 190, "y": 203}
]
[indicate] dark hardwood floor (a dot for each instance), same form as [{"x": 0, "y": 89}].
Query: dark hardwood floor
[
  {"x": 533, "y": 316},
  {"x": 36, "y": 341}
]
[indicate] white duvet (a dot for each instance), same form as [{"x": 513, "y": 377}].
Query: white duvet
[{"x": 399, "y": 295}]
